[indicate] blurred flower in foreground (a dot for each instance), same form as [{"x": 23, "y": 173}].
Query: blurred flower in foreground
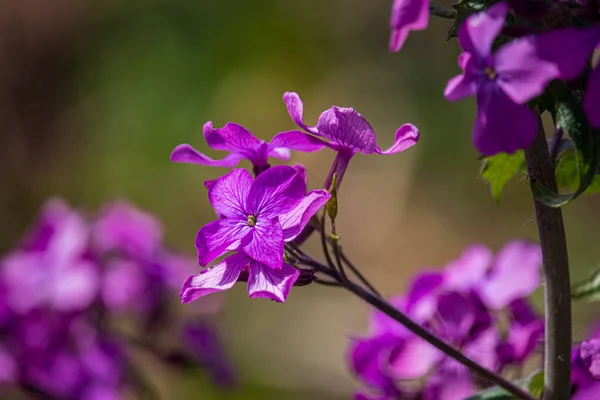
[
  {"x": 476, "y": 303},
  {"x": 64, "y": 291},
  {"x": 585, "y": 375}
]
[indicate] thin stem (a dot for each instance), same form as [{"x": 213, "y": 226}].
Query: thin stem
[
  {"x": 391, "y": 311},
  {"x": 358, "y": 274},
  {"x": 557, "y": 360},
  {"x": 441, "y": 11}
]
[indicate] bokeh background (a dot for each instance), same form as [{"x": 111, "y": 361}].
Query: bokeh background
[{"x": 94, "y": 95}]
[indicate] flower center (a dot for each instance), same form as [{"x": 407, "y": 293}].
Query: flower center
[
  {"x": 251, "y": 220},
  {"x": 489, "y": 71}
]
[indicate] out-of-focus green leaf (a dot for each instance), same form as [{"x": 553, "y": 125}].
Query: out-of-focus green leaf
[
  {"x": 499, "y": 169},
  {"x": 535, "y": 383},
  {"x": 587, "y": 289}
]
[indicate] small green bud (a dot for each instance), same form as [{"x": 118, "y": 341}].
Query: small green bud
[{"x": 332, "y": 204}]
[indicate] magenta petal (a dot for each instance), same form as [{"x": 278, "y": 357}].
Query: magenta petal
[
  {"x": 415, "y": 359},
  {"x": 295, "y": 140},
  {"x": 406, "y": 137},
  {"x": 217, "y": 278},
  {"x": 522, "y": 74},
  {"x": 301, "y": 170},
  {"x": 592, "y": 98},
  {"x": 369, "y": 357},
  {"x": 232, "y": 137},
  {"x": 276, "y": 191},
  {"x": 477, "y": 34},
  {"x": 407, "y": 15},
  {"x": 459, "y": 87},
  {"x": 502, "y": 125},
  {"x": 482, "y": 349},
  {"x": 76, "y": 287},
  {"x": 469, "y": 269},
  {"x": 184, "y": 153},
  {"x": 267, "y": 283},
  {"x": 294, "y": 221},
  {"x": 590, "y": 354},
  {"x": 228, "y": 193},
  {"x": 295, "y": 108},
  {"x": 517, "y": 259},
  {"x": 347, "y": 128},
  {"x": 265, "y": 242},
  {"x": 456, "y": 314},
  {"x": 421, "y": 300},
  {"x": 217, "y": 237}
]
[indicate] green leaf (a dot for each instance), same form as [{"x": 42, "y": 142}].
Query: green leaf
[
  {"x": 499, "y": 169},
  {"x": 577, "y": 169},
  {"x": 535, "y": 383},
  {"x": 588, "y": 289},
  {"x": 494, "y": 393}
]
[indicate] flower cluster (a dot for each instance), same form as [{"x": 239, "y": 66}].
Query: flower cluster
[
  {"x": 65, "y": 287},
  {"x": 506, "y": 79},
  {"x": 585, "y": 377},
  {"x": 474, "y": 304},
  {"x": 258, "y": 216}
]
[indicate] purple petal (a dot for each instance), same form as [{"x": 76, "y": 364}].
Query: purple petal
[
  {"x": 407, "y": 15},
  {"x": 406, "y": 137},
  {"x": 76, "y": 288},
  {"x": 301, "y": 170},
  {"x": 450, "y": 382},
  {"x": 8, "y": 366},
  {"x": 517, "y": 259},
  {"x": 295, "y": 140},
  {"x": 217, "y": 278},
  {"x": 295, "y": 108},
  {"x": 522, "y": 73},
  {"x": 228, "y": 194},
  {"x": 294, "y": 221},
  {"x": 265, "y": 242},
  {"x": 482, "y": 349},
  {"x": 469, "y": 269},
  {"x": 590, "y": 355},
  {"x": 218, "y": 237},
  {"x": 348, "y": 129},
  {"x": 368, "y": 357},
  {"x": 591, "y": 102},
  {"x": 477, "y": 34},
  {"x": 276, "y": 191},
  {"x": 414, "y": 360},
  {"x": 502, "y": 125},
  {"x": 124, "y": 282},
  {"x": 381, "y": 324},
  {"x": 421, "y": 301},
  {"x": 459, "y": 87},
  {"x": 184, "y": 153},
  {"x": 523, "y": 340},
  {"x": 265, "y": 282},
  {"x": 456, "y": 315},
  {"x": 568, "y": 48},
  {"x": 232, "y": 137}
]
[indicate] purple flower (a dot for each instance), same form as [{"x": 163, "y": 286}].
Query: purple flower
[
  {"x": 585, "y": 369},
  {"x": 53, "y": 268},
  {"x": 257, "y": 215},
  {"x": 240, "y": 143},
  {"x": 407, "y": 15},
  {"x": 590, "y": 355},
  {"x": 348, "y": 132},
  {"x": 503, "y": 81}
]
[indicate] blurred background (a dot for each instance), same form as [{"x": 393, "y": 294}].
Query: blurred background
[{"x": 95, "y": 95}]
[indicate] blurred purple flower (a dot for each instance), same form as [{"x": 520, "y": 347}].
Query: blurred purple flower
[
  {"x": 240, "y": 143},
  {"x": 53, "y": 268},
  {"x": 348, "y": 132},
  {"x": 407, "y": 15},
  {"x": 584, "y": 372},
  {"x": 503, "y": 81}
]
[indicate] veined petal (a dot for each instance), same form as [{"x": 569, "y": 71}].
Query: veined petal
[
  {"x": 265, "y": 242},
  {"x": 294, "y": 221},
  {"x": 407, "y": 15},
  {"x": 301, "y": 170},
  {"x": 591, "y": 101},
  {"x": 232, "y": 137},
  {"x": 347, "y": 128},
  {"x": 406, "y": 137},
  {"x": 217, "y": 237},
  {"x": 275, "y": 191},
  {"x": 217, "y": 278},
  {"x": 502, "y": 125},
  {"x": 517, "y": 258},
  {"x": 184, "y": 153},
  {"x": 268, "y": 283},
  {"x": 228, "y": 193},
  {"x": 295, "y": 140},
  {"x": 522, "y": 73},
  {"x": 295, "y": 108},
  {"x": 477, "y": 34}
]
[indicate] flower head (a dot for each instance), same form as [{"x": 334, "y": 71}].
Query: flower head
[
  {"x": 407, "y": 15},
  {"x": 503, "y": 81},
  {"x": 348, "y": 132},
  {"x": 240, "y": 144}
]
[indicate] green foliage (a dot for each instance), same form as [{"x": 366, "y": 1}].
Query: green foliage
[
  {"x": 499, "y": 169},
  {"x": 577, "y": 169},
  {"x": 494, "y": 393},
  {"x": 535, "y": 383},
  {"x": 588, "y": 289}
]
